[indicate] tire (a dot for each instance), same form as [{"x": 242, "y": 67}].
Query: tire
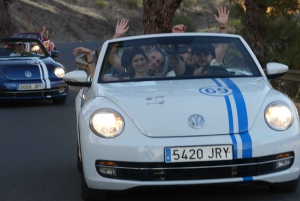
[
  {"x": 89, "y": 194},
  {"x": 285, "y": 187},
  {"x": 59, "y": 101},
  {"x": 79, "y": 163}
]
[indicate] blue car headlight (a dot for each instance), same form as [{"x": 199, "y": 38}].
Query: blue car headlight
[
  {"x": 107, "y": 123},
  {"x": 278, "y": 116},
  {"x": 59, "y": 72}
]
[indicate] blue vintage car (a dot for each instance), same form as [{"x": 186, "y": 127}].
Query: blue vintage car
[{"x": 28, "y": 71}]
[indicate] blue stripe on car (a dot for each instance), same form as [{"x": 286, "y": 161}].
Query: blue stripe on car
[
  {"x": 247, "y": 179},
  {"x": 230, "y": 119},
  {"x": 242, "y": 118}
]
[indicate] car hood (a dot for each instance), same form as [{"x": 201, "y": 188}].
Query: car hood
[
  {"x": 190, "y": 107},
  {"x": 27, "y": 68}
]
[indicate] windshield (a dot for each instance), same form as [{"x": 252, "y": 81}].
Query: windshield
[
  {"x": 22, "y": 48},
  {"x": 177, "y": 57}
]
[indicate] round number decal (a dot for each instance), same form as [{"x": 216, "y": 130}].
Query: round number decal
[{"x": 216, "y": 91}]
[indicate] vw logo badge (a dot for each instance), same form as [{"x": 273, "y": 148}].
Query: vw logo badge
[
  {"x": 196, "y": 121},
  {"x": 32, "y": 62},
  {"x": 28, "y": 74}
]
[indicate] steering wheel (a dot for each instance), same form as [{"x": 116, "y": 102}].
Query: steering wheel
[
  {"x": 26, "y": 54},
  {"x": 211, "y": 69}
]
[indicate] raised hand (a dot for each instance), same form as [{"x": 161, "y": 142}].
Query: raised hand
[
  {"x": 223, "y": 15},
  {"x": 179, "y": 28},
  {"x": 81, "y": 50},
  {"x": 122, "y": 27}
]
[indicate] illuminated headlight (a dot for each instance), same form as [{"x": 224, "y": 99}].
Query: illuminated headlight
[
  {"x": 59, "y": 72},
  {"x": 107, "y": 123},
  {"x": 35, "y": 48},
  {"x": 278, "y": 116}
]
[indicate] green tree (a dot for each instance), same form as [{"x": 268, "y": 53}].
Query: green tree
[{"x": 271, "y": 29}]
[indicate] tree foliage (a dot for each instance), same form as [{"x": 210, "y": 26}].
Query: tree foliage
[
  {"x": 158, "y": 15},
  {"x": 271, "y": 27}
]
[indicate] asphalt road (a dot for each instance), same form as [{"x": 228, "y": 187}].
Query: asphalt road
[{"x": 38, "y": 156}]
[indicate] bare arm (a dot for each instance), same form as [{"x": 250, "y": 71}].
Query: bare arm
[
  {"x": 115, "y": 61},
  {"x": 43, "y": 31},
  {"x": 222, "y": 20},
  {"x": 177, "y": 64},
  {"x": 89, "y": 58}
]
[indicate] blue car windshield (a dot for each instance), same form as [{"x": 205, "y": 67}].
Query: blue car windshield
[
  {"x": 177, "y": 57},
  {"x": 22, "y": 48}
]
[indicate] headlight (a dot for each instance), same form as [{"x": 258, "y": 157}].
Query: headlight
[
  {"x": 59, "y": 72},
  {"x": 35, "y": 48},
  {"x": 279, "y": 116},
  {"x": 107, "y": 123}
]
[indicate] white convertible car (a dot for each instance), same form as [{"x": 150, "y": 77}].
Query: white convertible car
[{"x": 225, "y": 124}]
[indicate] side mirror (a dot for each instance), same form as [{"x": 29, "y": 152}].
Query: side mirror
[
  {"x": 54, "y": 54},
  {"x": 276, "y": 70},
  {"x": 77, "y": 78}
]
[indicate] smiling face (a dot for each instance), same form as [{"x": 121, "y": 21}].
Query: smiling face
[
  {"x": 155, "y": 60},
  {"x": 139, "y": 63}
]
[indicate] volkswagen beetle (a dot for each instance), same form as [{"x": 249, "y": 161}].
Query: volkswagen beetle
[
  {"x": 223, "y": 125},
  {"x": 28, "y": 71}
]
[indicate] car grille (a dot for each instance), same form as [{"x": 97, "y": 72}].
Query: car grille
[
  {"x": 195, "y": 170},
  {"x": 19, "y": 94}
]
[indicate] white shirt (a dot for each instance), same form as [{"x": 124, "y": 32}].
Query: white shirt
[{"x": 15, "y": 55}]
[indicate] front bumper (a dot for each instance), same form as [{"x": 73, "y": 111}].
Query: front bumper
[
  {"x": 9, "y": 92},
  {"x": 140, "y": 161}
]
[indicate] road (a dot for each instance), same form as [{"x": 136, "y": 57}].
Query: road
[{"x": 38, "y": 156}]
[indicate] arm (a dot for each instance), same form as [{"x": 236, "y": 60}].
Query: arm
[
  {"x": 177, "y": 64},
  {"x": 89, "y": 58},
  {"x": 222, "y": 20},
  {"x": 43, "y": 31},
  {"x": 47, "y": 34},
  {"x": 121, "y": 28},
  {"x": 115, "y": 61}
]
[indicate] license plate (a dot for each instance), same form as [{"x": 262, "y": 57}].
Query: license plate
[
  {"x": 198, "y": 153},
  {"x": 30, "y": 86}
]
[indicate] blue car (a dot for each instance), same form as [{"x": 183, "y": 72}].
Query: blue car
[{"x": 28, "y": 71}]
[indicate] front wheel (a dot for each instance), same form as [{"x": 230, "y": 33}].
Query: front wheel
[
  {"x": 285, "y": 187},
  {"x": 89, "y": 194}
]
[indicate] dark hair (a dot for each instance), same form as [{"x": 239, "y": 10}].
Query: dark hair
[
  {"x": 127, "y": 58},
  {"x": 134, "y": 51}
]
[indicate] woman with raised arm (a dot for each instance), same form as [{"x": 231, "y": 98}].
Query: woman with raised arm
[{"x": 158, "y": 60}]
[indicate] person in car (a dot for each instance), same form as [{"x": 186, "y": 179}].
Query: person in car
[
  {"x": 19, "y": 48},
  {"x": 189, "y": 63},
  {"x": 44, "y": 30},
  {"x": 158, "y": 59},
  {"x": 138, "y": 63}
]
